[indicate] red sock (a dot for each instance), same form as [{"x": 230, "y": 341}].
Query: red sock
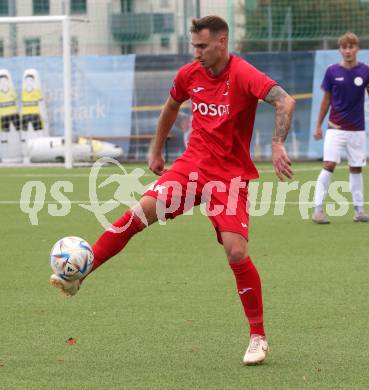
[
  {"x": 249, "y": 290},
  {"x": 114, "y": 239}
]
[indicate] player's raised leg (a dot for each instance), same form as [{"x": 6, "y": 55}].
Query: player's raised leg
[
  {"x": 113, "y": 240},
  {"x": 249, "y": 290}
]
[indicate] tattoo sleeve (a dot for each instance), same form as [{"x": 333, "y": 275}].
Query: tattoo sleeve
[{"x": 284, "y": 106}]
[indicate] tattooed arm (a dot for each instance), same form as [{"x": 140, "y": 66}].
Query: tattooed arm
[{"x": 284, "y": 106}]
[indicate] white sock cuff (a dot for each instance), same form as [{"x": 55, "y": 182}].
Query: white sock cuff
[{"x": 325, "y": 174}]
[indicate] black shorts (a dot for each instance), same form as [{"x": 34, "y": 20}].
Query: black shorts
[
  {"x": 6, "y": 120},
  {"x": 35, "y": 119}
]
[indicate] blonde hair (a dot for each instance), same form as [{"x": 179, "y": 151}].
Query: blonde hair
[{"x": 348, "y": 38}]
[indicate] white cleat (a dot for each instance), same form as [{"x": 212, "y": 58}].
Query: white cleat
[
  {"x": 257, "y": 350},
  {"x": 320, "y": 218},
  {"x": 67, "y": 288},
  {"x": 360, "y": 216}
]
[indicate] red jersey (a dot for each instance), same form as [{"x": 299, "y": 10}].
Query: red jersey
[{"x": 223, "y": 108}]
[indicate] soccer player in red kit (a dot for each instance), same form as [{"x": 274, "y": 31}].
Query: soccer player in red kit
[{"x": 216, "y": 166}]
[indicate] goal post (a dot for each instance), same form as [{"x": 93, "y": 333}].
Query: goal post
[{"x": 64, "y": 20}]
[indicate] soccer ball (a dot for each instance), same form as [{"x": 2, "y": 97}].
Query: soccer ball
[{"x": 71, "y": 258}]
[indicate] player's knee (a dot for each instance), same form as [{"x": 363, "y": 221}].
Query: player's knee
[
  {"x": 355, "y": 169},
  {"x": 329, "y": 166},
  {"x": 236, "y": 253},
  {"x": 148, "y": 207}
]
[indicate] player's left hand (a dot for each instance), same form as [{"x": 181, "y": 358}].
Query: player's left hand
[{"x": 281, "y": 162}]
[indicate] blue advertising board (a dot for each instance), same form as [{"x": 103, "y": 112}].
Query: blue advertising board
[{"x": 102, "y": 91}]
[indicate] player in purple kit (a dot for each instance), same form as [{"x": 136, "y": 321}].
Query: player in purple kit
[{"x": 344, "y": 88}]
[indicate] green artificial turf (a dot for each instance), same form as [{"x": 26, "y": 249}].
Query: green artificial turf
[{"x": 164, "y": 314}]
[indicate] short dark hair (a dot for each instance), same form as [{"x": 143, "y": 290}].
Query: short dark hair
[{"x": 214, "y": 24}]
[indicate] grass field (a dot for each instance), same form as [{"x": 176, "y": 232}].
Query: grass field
[{"x": 164, "y": 314}]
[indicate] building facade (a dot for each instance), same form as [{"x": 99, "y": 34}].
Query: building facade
[{"x": 113, "y": 26}]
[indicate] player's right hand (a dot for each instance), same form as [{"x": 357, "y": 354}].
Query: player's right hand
[
  {"x": 281, "y": 161},
  {"x": 318, "y": 133},
  {"x": 156, "y": 164}
]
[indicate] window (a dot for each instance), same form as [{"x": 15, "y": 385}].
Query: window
[
  {"x": 165, "y": 41},
  {"x": 1, "y": 48},
  {"x": 126, "y": 6},
  {"x": 78, "y": 6},
  {"x": 32, "y": 46},
  {"x": 163, "y": 23},
  {"x": 41, "y": 7},
  {"x": 74, "y": 45},
  {"x": 164, "y": 3},
  {"x": 127, "y": 48},
  {"x": 4, "y": 7}
]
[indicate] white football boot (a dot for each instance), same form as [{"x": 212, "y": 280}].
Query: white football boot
[
  {"x": 257, "y": 350},
  {"x": 320, "y": 218},
  {"x": 360, "y": 216},
  {"x": 67, "y": 288}
]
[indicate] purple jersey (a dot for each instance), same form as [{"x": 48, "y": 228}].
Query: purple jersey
[{"x": 347, "y": 88}]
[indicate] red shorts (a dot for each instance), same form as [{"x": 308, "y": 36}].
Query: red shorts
[{"x": 225, "y": 203}]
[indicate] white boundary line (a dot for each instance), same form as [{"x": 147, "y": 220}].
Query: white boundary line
[
  {"x": 71, "y": 175},
  {"x": 5, "y": 202}
]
